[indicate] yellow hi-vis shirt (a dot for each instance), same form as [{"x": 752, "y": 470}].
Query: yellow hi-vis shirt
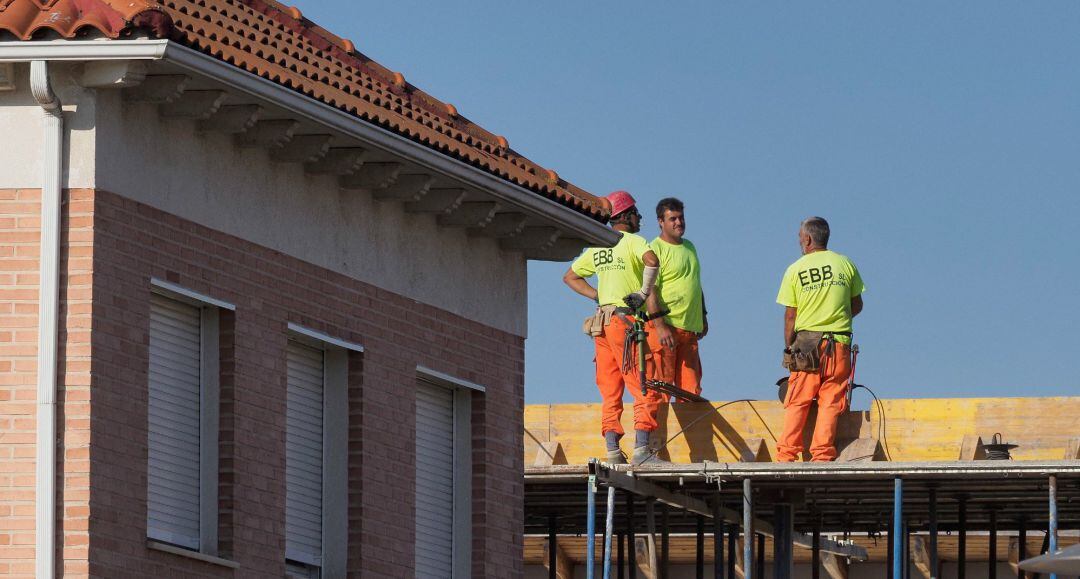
[
  {"x": 820, "y": 286},
  {"x": 679, "y": 283},
  {"x": 618, "y": 269}
]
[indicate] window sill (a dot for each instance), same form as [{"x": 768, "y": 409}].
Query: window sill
[{"x": 167, "y": 548}]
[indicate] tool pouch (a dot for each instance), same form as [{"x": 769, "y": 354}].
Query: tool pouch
[
  {"x": 805, "y": 354},
  {"x": 594, "y": 325}
]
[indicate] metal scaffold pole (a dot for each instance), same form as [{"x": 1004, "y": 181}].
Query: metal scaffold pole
[
  {"x": 1053, "y": 530},
  {"x": 609, "y": 527},
  {"x": 553, "y": 546},
  {"x": 898, "y": 528},
  {"x": 748, "y": 529},
  {"x": 590, "y": 530}
]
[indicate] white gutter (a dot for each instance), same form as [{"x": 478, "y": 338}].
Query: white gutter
[
  {"x": 579, "y": 224},
  {"x": 52, "y": 153},
  {"x": 20, "y": 51}
]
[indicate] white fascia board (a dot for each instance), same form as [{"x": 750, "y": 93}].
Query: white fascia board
[{"x": 82, "y": 50}]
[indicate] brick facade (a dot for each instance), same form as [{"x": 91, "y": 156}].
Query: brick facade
[
  {"x": 19, "y": 251},
  {"x": 104, "y": 396}
]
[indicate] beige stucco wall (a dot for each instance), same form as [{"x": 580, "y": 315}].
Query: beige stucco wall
[
  {"x": 21, "y": 131},
  {"x": 128, "y": 149}
]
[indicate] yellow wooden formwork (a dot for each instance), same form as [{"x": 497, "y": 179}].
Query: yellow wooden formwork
[{"x": 913, "y": 430}]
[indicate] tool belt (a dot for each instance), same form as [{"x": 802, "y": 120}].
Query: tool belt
[
  {"x": 805, "y": 354},
  {"x": 594, "y": 325}
]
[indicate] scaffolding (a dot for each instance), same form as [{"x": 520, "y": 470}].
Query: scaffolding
[{"x": 832, "y": 510}]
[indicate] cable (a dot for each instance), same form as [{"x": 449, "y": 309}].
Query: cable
[
  {"x": 882, "y": 429},
  {"x": 715, "y": 410},
  {"x": 998, "y": 454}
]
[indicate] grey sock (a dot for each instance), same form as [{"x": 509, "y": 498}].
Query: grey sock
[
  {"x": 641, "y": 438},
  {"x": 612, "y": 439}
]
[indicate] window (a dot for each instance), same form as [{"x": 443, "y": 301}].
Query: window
[
  {"x": 443, "y": 475},
  {"x": 182, "y": 481},
  {"x": 316, "y": 454}
]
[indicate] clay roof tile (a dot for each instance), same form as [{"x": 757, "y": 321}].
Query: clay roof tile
[{"x": 274, "y": 41}]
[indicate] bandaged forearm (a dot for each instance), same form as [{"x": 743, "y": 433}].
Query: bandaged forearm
[{"x": 648, "y": 279}]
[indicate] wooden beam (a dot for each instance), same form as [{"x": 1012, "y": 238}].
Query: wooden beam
[
  {"x": 564, "y": 565},
  {"x": 407, "y": 188},
  {"x": 196, "y": 105},
  {"x": 916, "y": 430},
  {"x": 549, "y": 454},
  {"x": 920, "y": 556},
  {"x": 644, "y": 562},
  {"x": 860, "y": 450},
  {"x": 471, "y": 214},
  {"x": 1073, "y": 452},
  {"x": 835, "y": 565},
  {"x": 437, "y": 201},
  {"x": 338, "y": 161},
  {"x": 757, "y": 450},
  {"x": 650, "y": 536},
  {"x": 158, "y": 89},
  {"x": 372, "y": 176},
  {"x": 232, "y": 119},
  {"x": 972, "y": 448},
  {"x": 269, "y": 134},
  {"x": 1014, "y": 555},
  {"x": 740, "y": 572},
  {"x": 302, "y": 149}
]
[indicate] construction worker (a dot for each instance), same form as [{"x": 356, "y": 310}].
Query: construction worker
[
  {"x": 678, "y": 290},
  {"x": 629, "y": 268},
  {"x": 822, "y": 292}
]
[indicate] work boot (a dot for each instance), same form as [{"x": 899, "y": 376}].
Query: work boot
[
  {"x": 643, "y": 455},
  {"x": 616, "y": 456}
]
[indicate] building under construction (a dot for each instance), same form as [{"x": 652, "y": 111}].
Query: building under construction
[{"x": 922, "y": 488}]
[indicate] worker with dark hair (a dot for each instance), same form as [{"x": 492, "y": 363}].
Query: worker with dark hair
[
  {"x": 678, "y": 290},
  {"x": 822, "y": 292},
  {"x": 627, "y": 270}
]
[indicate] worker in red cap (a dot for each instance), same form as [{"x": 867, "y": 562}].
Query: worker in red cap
[{"x": 628, "y": 268}]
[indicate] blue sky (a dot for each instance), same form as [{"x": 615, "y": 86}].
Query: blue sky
[{"x": 941, "y": 141}]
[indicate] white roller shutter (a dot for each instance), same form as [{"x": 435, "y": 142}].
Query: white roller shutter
[
  {"x": 173, "y": 469},
  {"x": 304, "y": 455},
  {"x": 434, "y": 480}
]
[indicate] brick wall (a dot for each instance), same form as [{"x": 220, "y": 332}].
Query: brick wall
[
  {"x": 19, "y": 252},
  {"x": 132, "y": 243}
]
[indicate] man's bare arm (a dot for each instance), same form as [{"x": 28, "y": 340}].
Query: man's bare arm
[
  {"x": 856, "y": 305},
  {"x": 660, "y": 326},
  {"x": 650, "y": 259},
  {"x": 789, "y": 326},
  {"x": 579, "y": 285}
]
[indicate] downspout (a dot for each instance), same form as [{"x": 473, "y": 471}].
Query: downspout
[{"x": 48, "y": 305}]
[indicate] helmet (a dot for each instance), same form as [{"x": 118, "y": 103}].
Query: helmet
[{"x": 620, "y": 201}]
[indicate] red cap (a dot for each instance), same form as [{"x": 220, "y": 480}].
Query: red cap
[{"x": 620, "y": 201}]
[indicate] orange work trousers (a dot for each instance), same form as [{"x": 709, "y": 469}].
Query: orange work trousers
[
  {"x": 829, "y": 385},
  {"x": 611, "y": 381},
  {"x": 680, "y": 365}
]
